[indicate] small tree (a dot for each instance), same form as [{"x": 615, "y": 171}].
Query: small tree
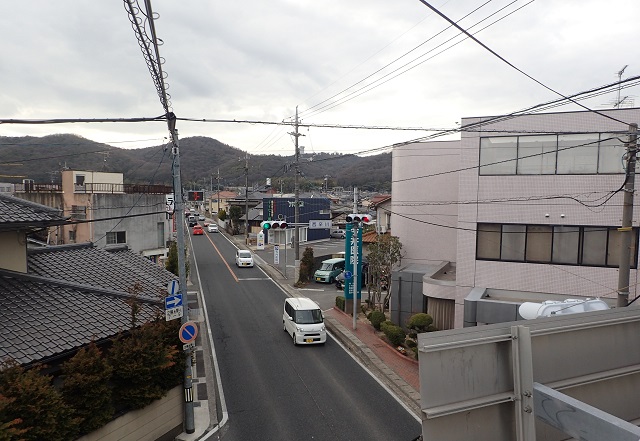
[
  {"x": 86, "y": 388},
  {"x": 171, "y": 263},
  {"x": 222, "y": 215},
  {"x": 44, "y": 414},
  {"x": 306, "y": 266},
  {"x": 384, "y": 253},
  {"x": 8, "y": 429},
  {"x": 235, "y": 213}
]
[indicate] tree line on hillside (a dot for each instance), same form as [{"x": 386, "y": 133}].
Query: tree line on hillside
[{"x": 42, "y": 159}]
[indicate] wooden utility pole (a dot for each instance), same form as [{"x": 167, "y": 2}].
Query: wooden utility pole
[{"x": 627, "y": 218}]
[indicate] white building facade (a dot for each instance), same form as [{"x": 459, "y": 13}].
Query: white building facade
[{"x": 520, "y": 209}]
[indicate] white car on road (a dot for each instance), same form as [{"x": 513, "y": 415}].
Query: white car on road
[
  {"x": 244, "y": 258},
  {"x": 212, "y": 228}
]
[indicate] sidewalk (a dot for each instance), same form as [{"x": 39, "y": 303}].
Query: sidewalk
[{"x": 397, "y": 372}]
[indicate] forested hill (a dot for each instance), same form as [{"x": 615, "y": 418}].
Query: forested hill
[{"x": 42, "y": 159}]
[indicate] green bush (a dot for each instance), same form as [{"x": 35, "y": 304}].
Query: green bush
[
  {"x": 420, "y": 322},
  {"x": 340, "y": 302},
  {"x": 141, "y": 364},
  {"x": 43, "y": 413},
  {"x": 395, "y": 334},
  {"x": 413, "y": 334},
  {"x": 376, "y": 318},
  {"x": 386, "y": 323},
  {"x": 410, "y": 343},
  {"x": 431, "y": 328},
  {"x": 86, "y": 388},
  {"x": 306, "y": 266}
]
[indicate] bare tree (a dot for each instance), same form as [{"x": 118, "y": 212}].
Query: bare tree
[{"x": 384, "y": 253}]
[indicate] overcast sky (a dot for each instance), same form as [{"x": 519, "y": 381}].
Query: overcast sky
[{"x": 257, "y": 60}]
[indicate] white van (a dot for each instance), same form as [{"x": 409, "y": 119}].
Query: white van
[{"x": 303, "y": 320}]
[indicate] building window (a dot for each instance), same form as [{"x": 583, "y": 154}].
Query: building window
[
  {"x": 583, "y": 153},
  {"x": 115, "y": 237},
  {"x": 72, "y": 236},
  {"x": 568, "y": 245}
]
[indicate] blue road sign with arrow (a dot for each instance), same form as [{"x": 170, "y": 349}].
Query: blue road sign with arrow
[{"x": 173, "y": 301}]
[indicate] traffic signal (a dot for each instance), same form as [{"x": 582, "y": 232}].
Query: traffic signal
[
  {"x": 277, "y": 224},
  {"x": 357, "y": 217}
]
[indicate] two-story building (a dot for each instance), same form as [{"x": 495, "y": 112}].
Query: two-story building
[
  {"x": 524, "y": 208},
  {"x": 106, "y": 211}
]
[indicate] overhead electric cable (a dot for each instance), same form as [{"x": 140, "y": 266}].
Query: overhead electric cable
[{"x": 424, "y": 2}]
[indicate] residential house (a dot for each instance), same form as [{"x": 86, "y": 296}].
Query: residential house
[
  {"x": 382, "y": 206},
  {"x": 58, "y": 299},
  {"x": 220, "y": 201}
]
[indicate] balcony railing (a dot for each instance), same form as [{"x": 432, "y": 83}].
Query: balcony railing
[
  {"x": 95, "y": 187},
  {"x": 32, "y": 187}
]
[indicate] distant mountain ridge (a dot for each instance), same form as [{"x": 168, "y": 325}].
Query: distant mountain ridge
[{"x": 42, "y": 159}]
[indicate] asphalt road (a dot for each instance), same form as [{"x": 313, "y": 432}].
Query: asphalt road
[{"x": 274, "y": 390}]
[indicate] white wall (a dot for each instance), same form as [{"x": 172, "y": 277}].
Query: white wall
[
  {"x": 574, "y": 281},
  {"x": 424, "y": 212}
]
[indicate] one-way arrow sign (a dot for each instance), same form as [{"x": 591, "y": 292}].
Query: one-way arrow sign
[{"x": 173, "y": 301}]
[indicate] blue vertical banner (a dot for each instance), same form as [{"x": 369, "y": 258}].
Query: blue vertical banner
[{"x": 353, "y": 247}]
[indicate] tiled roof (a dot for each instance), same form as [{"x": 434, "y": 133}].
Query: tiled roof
[
  {"x": 42, "y": 319},
  {"x": 17, "y": 213},
  {"x": 117, "y": 269}
]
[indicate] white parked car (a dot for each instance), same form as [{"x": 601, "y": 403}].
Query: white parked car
[
  {"x": 212, "y": 228},
  {"x": 244, "y": 258}
]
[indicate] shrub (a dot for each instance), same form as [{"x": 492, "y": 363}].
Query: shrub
[
  {"x": 86, "y": 388},
  {"x": 420, "y": 322},
  {"x": 141, "y": 364},
  {"x": 413, "y": 334},
  {"x": 385, "y": 323},
  {"x": 340, "y": 302},
  {"x": 431, "y": 328},
  {"x": 222, "y": 215},
  {"x": 410, "y": 343},
  {"x": 376, "y": 318},
  {"x": 395, "y": 334},
  {"x": 44, "y": 414}
]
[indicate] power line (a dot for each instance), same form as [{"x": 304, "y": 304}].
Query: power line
[{"x": 424, "y": 2}]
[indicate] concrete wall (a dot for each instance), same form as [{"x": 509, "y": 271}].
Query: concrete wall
[
  {"x": 424, "y": 212},
  {"x": 146, "y": 424},
  {"x": 141, "y": 231}
]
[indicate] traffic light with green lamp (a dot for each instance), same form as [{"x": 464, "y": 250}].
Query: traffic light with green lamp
[
  {"x": 274, "y": 225},
  {"x": 357, "y": 217}
]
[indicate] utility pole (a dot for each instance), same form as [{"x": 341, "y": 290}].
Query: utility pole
[
  {"x": 627, "y": 218},
  {"x": 189, "y": 423},
  {"x": 218, "y": 199},
  {"x": 246, "y": 198},
  {"x": 296, "y": 238}
]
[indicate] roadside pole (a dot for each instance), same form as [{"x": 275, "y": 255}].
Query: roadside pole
[
  {"x": 189, "y": 422},
  {"x": 626, "y": 228}
]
